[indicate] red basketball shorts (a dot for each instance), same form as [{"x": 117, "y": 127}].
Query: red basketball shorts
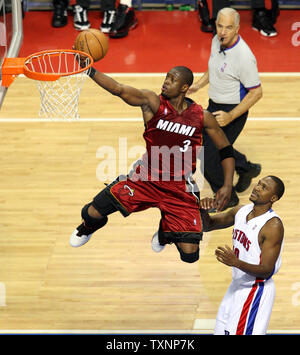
[{"x": 177, "y": 201}]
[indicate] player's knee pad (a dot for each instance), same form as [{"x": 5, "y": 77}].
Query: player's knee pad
[
  {"x": 91, "y": 222},
  {"x": 189, "y": 257}
]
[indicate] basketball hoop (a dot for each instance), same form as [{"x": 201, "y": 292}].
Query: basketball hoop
[{"x": 60, "y": 75}]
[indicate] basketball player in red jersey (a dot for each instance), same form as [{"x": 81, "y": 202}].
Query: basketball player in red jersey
[{"x": 173, "y": 124}]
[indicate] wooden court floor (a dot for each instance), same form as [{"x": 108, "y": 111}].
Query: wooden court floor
[{"x": 115, "y": 282}]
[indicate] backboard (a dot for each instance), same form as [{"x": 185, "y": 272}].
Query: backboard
[{"x": 11, "y": 34}]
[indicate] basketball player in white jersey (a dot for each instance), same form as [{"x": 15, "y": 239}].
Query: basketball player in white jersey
[{"x": 256, "y": 256}]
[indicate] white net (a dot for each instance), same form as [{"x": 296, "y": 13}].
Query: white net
[{"x": 59, "y": 98}]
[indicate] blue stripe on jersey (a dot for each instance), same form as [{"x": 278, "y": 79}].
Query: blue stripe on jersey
[
  {"x": 254, "y": 309},
  {"x": 243, "y": 91},
  {"x": 272, "y": 273}
]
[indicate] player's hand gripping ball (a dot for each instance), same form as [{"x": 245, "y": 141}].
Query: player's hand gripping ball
[{"x": 92, "y": 42}]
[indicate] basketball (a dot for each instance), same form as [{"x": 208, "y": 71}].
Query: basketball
[{"x": 92, "y": 42}]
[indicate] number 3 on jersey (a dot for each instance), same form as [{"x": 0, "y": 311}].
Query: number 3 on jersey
[{"x": 186, "y": 145}]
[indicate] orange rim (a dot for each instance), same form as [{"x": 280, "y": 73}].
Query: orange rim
[
  {"x": 12, "y": 67},
  {"x": 54, "y": 76}
]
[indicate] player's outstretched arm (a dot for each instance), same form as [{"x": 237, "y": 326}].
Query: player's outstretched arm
[
  {"x": 129, "y": 94},
  {"x": 216, "y": 220}
]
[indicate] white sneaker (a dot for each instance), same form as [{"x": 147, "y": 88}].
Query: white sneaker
[
  {"x": 77, "y": 241},
  {"x": 108, "y": 20},
  {"x": 156, "y": 246},
  {"x": 81, "y": 21}
]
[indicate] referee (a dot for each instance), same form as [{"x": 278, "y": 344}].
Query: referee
[{"x": 234, "y": 87}]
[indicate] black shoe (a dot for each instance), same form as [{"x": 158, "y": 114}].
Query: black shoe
[
  {"x": 263, "y": 23},
  {"x": 234, "y": 201},
  {"x": 244, "y": 180},
  {"x": 60, "y": 16},
  {"x": 209, "y": 27},
  {"x": 81, "y": 21},
  {"x": 109, "y": 17},
  {"x": 125, "y": 21}
]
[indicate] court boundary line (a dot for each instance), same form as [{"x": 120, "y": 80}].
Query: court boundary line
[{"x": 125, "y": 119}]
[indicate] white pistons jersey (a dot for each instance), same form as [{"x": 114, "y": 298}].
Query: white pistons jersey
[
  {"x": 247, "y": 305},
  {"x": 245, "y": 243}
]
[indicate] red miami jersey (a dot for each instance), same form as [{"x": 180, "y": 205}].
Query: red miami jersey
[{"x": 172, "y": 142}]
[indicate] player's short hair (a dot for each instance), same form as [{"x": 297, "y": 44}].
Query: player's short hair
[
  {"x": 230, "y": 11},
  {"x": 186, "y": 74},
  {"x": 279, "y": 190}
]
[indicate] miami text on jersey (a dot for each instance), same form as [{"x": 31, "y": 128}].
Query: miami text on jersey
[{"x": 175, "y": 127}]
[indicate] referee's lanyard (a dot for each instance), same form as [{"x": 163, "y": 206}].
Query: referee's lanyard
[{"x": 222, "y": 50}]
